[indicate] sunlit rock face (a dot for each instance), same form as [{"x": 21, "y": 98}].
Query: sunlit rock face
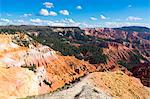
[
  {"x": 17, "y": 82},
  {"x": 28, "y": 68},
  {"x": 49, "y": 68},
  {"x": 102, "y": 85},
  {"x": 13, "y": 54},
  {"x": 119, "y": 85}
]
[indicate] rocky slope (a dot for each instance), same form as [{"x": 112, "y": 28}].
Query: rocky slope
[
  {"x": 129, "y": 38},
  {"x": 142, "y": 71},
  {"x": 127, "y": 46},
  {"x": 49, "y": 70},
  {"x": 102, "y": 85},
  {"x": 52, "y": 69},
  {"x": 18, "y": 82}
]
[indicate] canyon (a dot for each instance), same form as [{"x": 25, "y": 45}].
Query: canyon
[
  {"x": 52, "y": 69},
  {"x": 33, "y": 62}
]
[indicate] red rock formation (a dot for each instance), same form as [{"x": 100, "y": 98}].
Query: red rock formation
[
  {"x": 52, "y": 70},
  {"x": 102, "y": 85},
  {"x": 119, "y": 85},
  {"x": 142, "y": 71},
  {"x": 17, "y": 83},
  {"x": 109, "y": 33}
]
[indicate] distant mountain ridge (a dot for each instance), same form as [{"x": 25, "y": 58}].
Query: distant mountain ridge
[
  {"x": 124, "y": 28},
  {"x": 134, "y": 29}
]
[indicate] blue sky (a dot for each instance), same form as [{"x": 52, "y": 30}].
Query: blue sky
[{"x": 83, "y": 13}]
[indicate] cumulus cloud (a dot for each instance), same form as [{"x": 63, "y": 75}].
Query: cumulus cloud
[
  {"x": 70, "y": 22},
  {"x": 48, "y": 4},
  {"x": 62, "y": 22},
  {"x": 52, "y": 13},
  {"x": 44, "y": 12},
  {"x": 133, "y": 18},
  {"x": 93, "y": 18},
  {"x": 41, "y": 22},
  {"x": 27, "y": 14},
  {"x": 102, "y": 17},
  {"x": 79, "y": 7},
  {"x": 36, "y": 20},
  {"x": 64, "y": 12},
  {"x": 4, "y": 20}
]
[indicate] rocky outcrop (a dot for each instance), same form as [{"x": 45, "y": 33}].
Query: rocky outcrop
[
  {"x": 51, "y": 68},
  {"x": 17, "y": 83},
  {"x": 30, "y": 68},
  {"x": 102, "y": 85},
  {"x": 106, "y": 33},
  {"x": 116, "y": 51},
  {"x": 142, "y": 71},
  {"x": 131, "y": 38}
]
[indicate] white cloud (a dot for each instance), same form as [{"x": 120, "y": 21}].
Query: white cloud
[
  {"x": 70, "y": 20},
  {"x": 93, "y": 18},
  {"x": 62, "y": 22},
  {"x": 13, "y": 22},
  {"x": 41, "y": 22},
  {"x": 20, "y": 21},
  {"x": 48, "y": 4},
  {"x": 79, "y": 7},
  {"x": 27, "y": 14},
  {"x": 102, "y": 17},
  {"x": 54, "y": 23},
  {"x": 52, "y": 13},
  {"x": 64, "y": 12},
  {"x": 44, "y": 12},
  {"x": 36, "y": 20},
  {"x": 120, "y": 24},
  {"x": 129, "y": 6},
  {"x": 86, "y": 25},
  {"x": 4, "y": 20},
  {"x": 133, "y": 18}
]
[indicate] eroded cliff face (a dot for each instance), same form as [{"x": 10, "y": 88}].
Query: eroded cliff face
[
  {"x": 50, "y": 68},
  {"x": 106, "y": 33},
  {"x": 29, "y": 68},
  {"x": 142, "y": 71},
  {"x": 17, "y": 83},
  {"x": 115, "y": 52},
  {"x": 130, "y": 39}
]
